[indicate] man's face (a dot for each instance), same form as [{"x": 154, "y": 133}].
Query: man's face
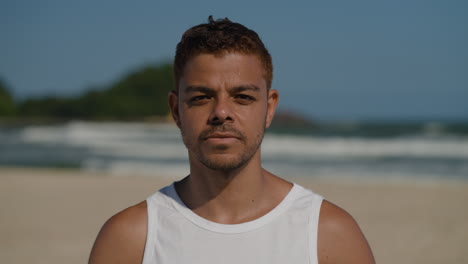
[{"x": 222, "y": 109}]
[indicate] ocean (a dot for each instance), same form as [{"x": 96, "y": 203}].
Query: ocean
[{"x": 354, "y": 151}]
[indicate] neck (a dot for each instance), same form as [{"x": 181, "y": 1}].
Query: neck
[{"x": 232, "y": 197}]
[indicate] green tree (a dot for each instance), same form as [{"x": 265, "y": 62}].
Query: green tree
[
  {"x": 139, "y": 94},
  {"x": 49, "y": 107},
  {"x": 7, "y": 104}
]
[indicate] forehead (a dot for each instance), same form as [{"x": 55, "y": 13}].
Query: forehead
[{"x": 224, "y": 70}]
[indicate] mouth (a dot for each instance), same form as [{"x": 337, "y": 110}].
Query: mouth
[
  {"x": 222, "y": 135},
  {"x": 222, "y": 138}
]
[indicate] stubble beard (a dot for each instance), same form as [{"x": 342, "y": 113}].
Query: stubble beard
[{"x": 218, "y": 163}]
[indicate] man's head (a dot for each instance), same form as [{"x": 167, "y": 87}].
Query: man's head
[
  {"x": 219, "y": 37},
  {"x": 223, "y": 101}
]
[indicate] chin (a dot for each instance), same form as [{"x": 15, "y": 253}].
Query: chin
[{"x": 223, "y": 163}]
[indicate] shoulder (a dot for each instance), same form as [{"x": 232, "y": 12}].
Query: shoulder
[
  {"x": 340, "y": 239},
  {"x": 122, "y": 238}
]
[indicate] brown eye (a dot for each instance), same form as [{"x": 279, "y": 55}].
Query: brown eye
[
  {"x": 245, "y": 99},
  {"x": 200, "y": 99}
]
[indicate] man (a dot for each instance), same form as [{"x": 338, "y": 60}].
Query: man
[{"x": 229, "y": 209}]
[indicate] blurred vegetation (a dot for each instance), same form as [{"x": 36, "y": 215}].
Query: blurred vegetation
[
  {"x": 7, "y": 104},
  {"x": 138, "y": 95}
]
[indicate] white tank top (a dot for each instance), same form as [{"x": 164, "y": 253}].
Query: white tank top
[{"x": 286, "y": 234}]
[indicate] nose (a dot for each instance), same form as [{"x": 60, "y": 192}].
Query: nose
[{"x": 221, "y": 112}]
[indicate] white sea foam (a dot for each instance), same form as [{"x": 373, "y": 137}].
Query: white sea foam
[
  {"x": 298, "y": 146},
  {"x": 140, "y": 148},
  {"x": 163, "y": 140},
  {"x": 85, "y": 132}
]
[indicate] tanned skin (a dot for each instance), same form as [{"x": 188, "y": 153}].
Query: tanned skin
[{"x": 222, "y": 107}]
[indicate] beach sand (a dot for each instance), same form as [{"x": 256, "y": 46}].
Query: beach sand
[{"x": 53, "y": 216}]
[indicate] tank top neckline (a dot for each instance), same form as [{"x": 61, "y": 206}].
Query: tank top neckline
[{"x": 232, "y": 228}]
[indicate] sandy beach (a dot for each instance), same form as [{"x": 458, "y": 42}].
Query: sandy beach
[{"x": 53, "y": 216}]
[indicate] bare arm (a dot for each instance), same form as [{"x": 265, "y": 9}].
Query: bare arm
[
  {"x": 340, "y": 239},
  {"x": 122, "y": 238}
]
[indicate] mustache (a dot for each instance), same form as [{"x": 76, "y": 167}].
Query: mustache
[{"x": 225, "y": 128}]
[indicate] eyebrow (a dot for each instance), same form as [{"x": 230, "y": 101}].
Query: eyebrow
[
  {"x": 244, "y": 88},
  {"x": 206, "y": 90},
  {"x": 201, "y": 89}
]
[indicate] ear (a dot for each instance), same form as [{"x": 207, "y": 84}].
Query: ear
[
  {"x": 273, "y": 98},
  {"x": 173, "y": 99}
]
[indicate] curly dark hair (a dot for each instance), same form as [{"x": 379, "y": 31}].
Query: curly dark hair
[{"x": 219, "y": 37}]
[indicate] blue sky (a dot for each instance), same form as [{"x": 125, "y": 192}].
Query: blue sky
[{"x": 347, "y": 60}]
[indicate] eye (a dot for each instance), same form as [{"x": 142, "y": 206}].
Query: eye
[
  {"x": 199, "y": 99},
  {"x": 244, "y": 98}
]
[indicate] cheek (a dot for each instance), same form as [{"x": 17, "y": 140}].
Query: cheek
[
  {"x": 188, "y": 125},
  {"x": 254, "y": 123},
  {"x": 256, "y": 115},
  {"x": 193, "y": 123},
  {"x": 188, "y": 117}
]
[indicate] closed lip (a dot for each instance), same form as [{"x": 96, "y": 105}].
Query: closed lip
[{"x": 222, "y": 135}]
